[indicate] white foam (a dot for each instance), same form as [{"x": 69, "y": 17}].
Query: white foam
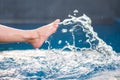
[{"x": 60, "y": 64}]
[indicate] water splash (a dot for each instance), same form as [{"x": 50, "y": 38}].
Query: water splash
[
  {"x": 78, "y": 63},
  {"x": 94, "y": 41}
]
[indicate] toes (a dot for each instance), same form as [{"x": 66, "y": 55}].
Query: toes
[{"x": 55, "y": 23}]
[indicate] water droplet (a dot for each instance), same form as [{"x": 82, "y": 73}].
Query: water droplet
[
  {"x": 75, "y": 12},
  {"x": 60, "y": 41},
  {"x": 64, "y": 30}
]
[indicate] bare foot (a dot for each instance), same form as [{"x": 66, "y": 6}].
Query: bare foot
[{"x": 39, "y": 35}]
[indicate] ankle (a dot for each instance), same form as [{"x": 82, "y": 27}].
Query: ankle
[{"x": 30, "y": 35}]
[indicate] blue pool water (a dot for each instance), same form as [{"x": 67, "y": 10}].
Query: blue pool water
[
  {"x": 74, "y": 52},
  {"x": 110, "y": 33}
]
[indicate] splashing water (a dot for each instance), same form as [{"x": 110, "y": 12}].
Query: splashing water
[
  {"x": 94, "y": 41},
  {"x": 98, "y": 61}
]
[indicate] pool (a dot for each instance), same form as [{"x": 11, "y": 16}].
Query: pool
[
  {"x": 108, "y": 32},
  {"x": 74, "y": 52}
]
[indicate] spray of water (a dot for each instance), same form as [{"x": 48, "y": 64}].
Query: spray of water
[
  {"x": 60, "y": 64},
  {"x": 94, "y": 41}
]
